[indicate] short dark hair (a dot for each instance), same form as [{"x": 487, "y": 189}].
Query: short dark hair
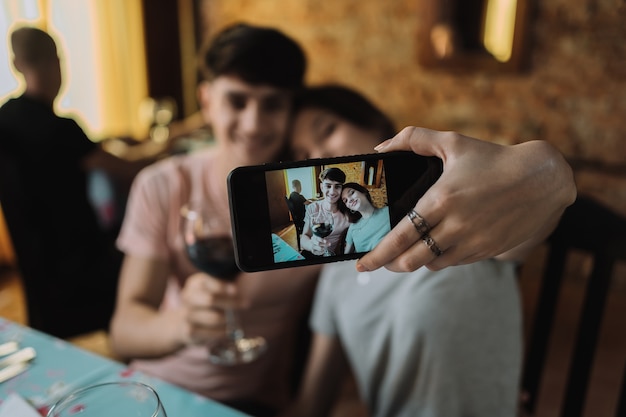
[
  {"x": 333, "y": 174},
  {"x": 256, "y": 54},
  {"x": 32, "y": 45},
  {"x": 347, "y": 104}
]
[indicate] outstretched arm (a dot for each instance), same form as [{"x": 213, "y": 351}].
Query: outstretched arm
[{"x": 490, "y": 201}]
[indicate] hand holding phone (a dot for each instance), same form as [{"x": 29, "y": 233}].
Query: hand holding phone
[{"x": 269, "y": 234}]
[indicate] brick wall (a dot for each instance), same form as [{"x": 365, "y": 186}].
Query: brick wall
[
  {"x": 574, "y": 94},
  {"x": 354, "y": 173}
]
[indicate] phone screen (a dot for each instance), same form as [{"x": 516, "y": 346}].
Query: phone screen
[{"x": 322, "y": 210}]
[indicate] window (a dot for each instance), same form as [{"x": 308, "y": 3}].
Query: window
[{"x": 101, "y": 47}]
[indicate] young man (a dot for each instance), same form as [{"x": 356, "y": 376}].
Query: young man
[
  {"x": 422, "y": 343},
  {"x": 330, "y": 182},
  {"x": 167, "y": 312}
]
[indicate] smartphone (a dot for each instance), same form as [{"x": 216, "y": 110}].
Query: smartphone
[{"x": 268, "y": 223}]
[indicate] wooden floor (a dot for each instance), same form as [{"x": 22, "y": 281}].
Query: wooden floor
[
  {"x": 610, "y": 357},
  {"x": 288, "y": 234}
]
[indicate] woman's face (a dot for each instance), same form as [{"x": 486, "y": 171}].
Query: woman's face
[
  {"x": 331, "y": 190},
  {"x": 353, "y": 199},
  {"x": 317, "y": 133}
]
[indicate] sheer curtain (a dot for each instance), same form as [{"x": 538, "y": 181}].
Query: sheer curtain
[{"x": 101, "y": 47}]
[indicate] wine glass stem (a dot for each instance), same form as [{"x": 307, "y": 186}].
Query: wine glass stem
[{"x": 233, "y": 325}]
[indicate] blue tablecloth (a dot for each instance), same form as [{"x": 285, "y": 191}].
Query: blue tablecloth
[
  {"x": 61, "y": 367},
  {"x": 283, "y": 252}
]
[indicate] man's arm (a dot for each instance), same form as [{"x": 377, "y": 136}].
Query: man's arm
[
  {"x": 118, "y": 167},
  {"x": 140, "y": 329}
]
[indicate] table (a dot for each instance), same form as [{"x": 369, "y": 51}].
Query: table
[
  {"x": 283, "y": 252},
  {"x": 61, "y": 367}
]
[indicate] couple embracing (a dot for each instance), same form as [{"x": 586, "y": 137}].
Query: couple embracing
[{"x": 348, "y": 215}]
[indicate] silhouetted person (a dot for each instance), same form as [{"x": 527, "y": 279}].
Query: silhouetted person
[
  {"x": 68, "y": 264},
  {"x": 297, "y": 203}
]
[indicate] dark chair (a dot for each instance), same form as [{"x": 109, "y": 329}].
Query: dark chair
[
  {"x": 621, "y": 406},
  {"x": 298, "y": 219},
  {"x": 595, "y": 229}
]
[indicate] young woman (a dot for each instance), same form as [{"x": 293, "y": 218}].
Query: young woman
[
  {"x": 422, "y": 343},
  {"x": 368, "y": 223}
]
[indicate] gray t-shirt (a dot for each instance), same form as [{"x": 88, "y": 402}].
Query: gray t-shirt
[
  {"x": 422, "y": 344},
  {"x": 367, "y": 232}
]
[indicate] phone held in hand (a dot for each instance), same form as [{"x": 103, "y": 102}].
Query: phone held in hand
[{"x": 276, "y": 208}]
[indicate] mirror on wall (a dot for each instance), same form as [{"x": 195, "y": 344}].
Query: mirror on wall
[{"x": 474, "y": 35}]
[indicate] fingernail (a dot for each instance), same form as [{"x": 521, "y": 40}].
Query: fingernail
[
  {"x": 381, "y": 146},
  {"x": 361, "y": 268}
]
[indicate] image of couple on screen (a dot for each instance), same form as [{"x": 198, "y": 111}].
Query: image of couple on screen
[{"x": 347, "y": 211}]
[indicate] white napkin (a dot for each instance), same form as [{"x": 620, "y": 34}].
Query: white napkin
[{"x": 14, "y": 406}]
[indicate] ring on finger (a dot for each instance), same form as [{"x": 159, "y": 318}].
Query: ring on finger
[
  {"x": 421, "y": 225},
  {"x": 432, "y": 245}
]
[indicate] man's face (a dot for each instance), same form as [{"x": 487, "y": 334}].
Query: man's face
[
  {"x": 318, "y": 133},
  {"x": 250, "y": 121},
  {"x": 331, "y": 190}
]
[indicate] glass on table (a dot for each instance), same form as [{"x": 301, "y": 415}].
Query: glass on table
[
  {"x": 127, "y": 398},
  {"x": 209, "y": 246}
]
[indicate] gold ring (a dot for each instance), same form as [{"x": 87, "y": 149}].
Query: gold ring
[
  {"x": 421, "y": 226},
  {"x": 430, "y": 242}
]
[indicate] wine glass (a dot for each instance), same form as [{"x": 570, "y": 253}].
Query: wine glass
[
  {"x": 126, "y": 398},
  {"x": 322, "y": 226},
  {"x": 209, "y": 245}
]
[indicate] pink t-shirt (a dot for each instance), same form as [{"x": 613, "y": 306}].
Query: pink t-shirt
[
  {"x": 279, "y": 299},
  {"x": 340, "y": 223}
]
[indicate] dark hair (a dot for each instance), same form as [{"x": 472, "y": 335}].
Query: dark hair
[
  {"x": 333, "y": 174},
  {"x": 32, "y": 46},
  {"x": 354, "y": 216},
  {"x": 347, "y": 104},
  {"x": 257, "y": 55}
]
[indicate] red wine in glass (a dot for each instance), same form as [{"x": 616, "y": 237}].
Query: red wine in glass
[
  {"x": 322, "y": 226},
  {"x": 209, "y": 247},
  {"x": 215, "y": 256},
  {"x": 322, "y": 229}
]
